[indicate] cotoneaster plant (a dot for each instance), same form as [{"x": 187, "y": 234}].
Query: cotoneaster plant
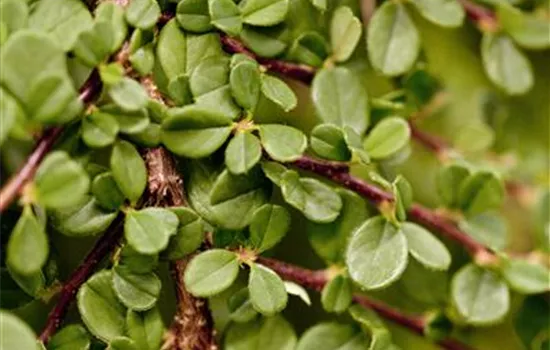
[{"x": 274, "y": 174}]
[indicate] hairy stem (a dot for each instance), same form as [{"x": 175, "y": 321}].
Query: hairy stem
[{"x": 316, "y": 280}]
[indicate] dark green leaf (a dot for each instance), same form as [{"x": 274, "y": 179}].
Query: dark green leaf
[
  {"x": 425, "y": 248},
  {"x": 240, "y": 307},
  {"x": 345, "y": 31},
  {"x": 128, "y": 170},
  {"x": 245, "y": 84},
  {"x": 278, "y": 92},
  {"x": 225, "y": 16},
  {"x": 446, "y": 13},
  {"x": 145, "y": 328},
  {"x": 85, "y": 218},
  {"x": 527, "y": 30},
  {"x": 128, "y": 122},
  {"x": 142, "y": 14},
  {"x": 266, "y": 42},
  {"x": 377, "y": 254},
  {"x": 129, "y": 95},
  {"x": 71, "y": 337},
  {"x": 282, "y": 143},
  {"x": 150, "y": 137},
  {"x": 333, "y": 336},
  {"x": 448, "y": 182},
  {"x": 189, "y": 236},
  {"x": 329, "y": 142},
  {"x": 171, "y": 50},
  {"x": 136, "y": 262},
  {"x": 99, "y": 129},
  {"x": 211, "y": 272},
  {"x": 310, "y": 48},
  {"x": 480, "y": 193},
  {"x": 267, "y": 291},
  {"x": 268, "y": 226},
  {"x": 525, "y": 277},
  {"x": 242, "y": 153},
  {"x": 148, "y": 230},
  {"x": 138, "y": 292},
  {"x": 387, "y": 137},
  {"x": 263, "y": 13},
  {"x": 179, "y": 90},
  {"x": 192, "y": 15},
  {"x": 106, "y": 191},
  {"x": 268, "y": 333},
  {"x": 531, "y": 322},
  {"x": 122, "y": 343},
  {"x": 336, "y": 295},
  {"x": 16, "y": 334}
]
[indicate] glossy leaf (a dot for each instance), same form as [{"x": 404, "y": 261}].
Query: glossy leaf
[
  {"x": 138, "y": 292},
  {"x": 16, "y": 334},
  {"x": 71, "y": 337},
  {"x": 329, "y": 142},
  {"x": 267, "y": 291},
  {"x": 192, "y": 15},
  {"x": 145, "y": 328},
  {"x": 333, "y": 336},
  {"x": 211, "y": 272},
  {"x": 393, "y": 41},
  {"x": 527, "y": 30},
  {"x": 425, "y": 248},
  {"x": 387, "y": 137},
  {"x": 85, "y": 218},
  {"x": 268, "y": 226},
  {"x": 268, "y": 333},
  {"x": 245, "y": 84},
  {"x": 480, "y": 296},
  {"x": 377, "y": 254},
  {"x": 264, "y": 12},
  {"x": 142, "y": 14},
  {"x": 340, "y": 99},
  {"x": 345, "y": 31},
  {"x": 336, "y": 295},
  {"x": 278, "y": 92},
  {"x": 99, "y": 129},
  {"x": 481, "y": 192},
  {"x": 225, "y": 16},
  {"x": 149, "y": 229},
  {"x": 282, "y": 143},
  {"x": 128, "y": 170},
  {"x": 317, "y": 201},
  {"x": 446, "y": 13},
  {"x": 242, "y": 153},
  {"x": 525, "y": 277}
]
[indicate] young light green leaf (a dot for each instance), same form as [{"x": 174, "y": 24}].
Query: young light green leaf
[
  {"x": 148, "y": 230},
  {"x": 333, "y": 336},
  {"x": 102, "y": 313},
  {"x": 240, "y": 307},
  {"x": 446, "y": 13},
  {"x": 387, "y": 137},
  {"x": 393, "y": 41},
  {"x": 267, "y": 291},
  {"x": 85, "y": 218},
  {"x": 377, "y": 254},
  {"x": 145, "y": 328},
  {"x": 225, "y": 16},
  {"x": 296, "y": 289},
  {"x": 211, "y": 272},
  {"x": 321, "y": 5},
  {"x": 267, "y": 333},
  {"x": 111, "y": 73},
  {"x": 488, "y": 229},
  {"x": 94, "y": 45},
  {"x": 265, "y": 41},
  {"x": 371, "y": 323},
  {"x": 245, "y": 84},
  {"x": 106, "y": 191},
  {"x": 345, "y": 31},
  {"x": 137, "y": 292},
  {"x": 209, "y": 75},
  {"x": 448, "y": 182},
  {"x": 263, "y": 13},
  {"x": 142, "y": 14},
  {"x": 143, "y": 60},
  {"x": 14, "y": 14},
  {"x": 506, "y": 66},
  {"x": 71, "y": 337},
  {"x": 274, "y": 171},
  {"x": 329, "y": 142},
  {"x": 481, "y": 192},
  {"x": 10, "y": 112},
  {"x": 99, "y": 129},
  {"x": 336, "y": 295},
  {"x": 193, "y": 16},
  {"x": 129, "y": 122},
  {"x": 525, "y": 277},
  {"x": 278, "y": 92},
  {"x": 329, "y": 241},
  {"x": 282, "y": 143},
  {"x": 114, "y": 15},
  {"x": 129, "y": 95},
  {"x": 479, "y": 295},
  {"x": 402, "y": 191},
  {"x": 242, "y": 153},
  {"x": 268, "y": 226},
  {"x": 128, "y": 170},
  {"x": 194, "y": 131},
  {"x": 425, "y": 248},
  {"x": 27, "y": 249},
  {"x": 16, "y": 334},
  {"x": 309, "y": 48},
  {"x": 317, "y": 201},
  {"x": 527, "y": 30},
  {"x": 189, "y": 236},
  {"x": 60, "y": 182},
  {"x": 340, "y": 99}
]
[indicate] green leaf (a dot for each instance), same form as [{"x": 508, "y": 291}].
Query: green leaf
[
  {"x": 60, "y": 181},
  {"x": 99, "y": 129},
  {"x": 274, "y": 171},
  {"x": 402, "y": 192},
  {"x": 94, "y": 45},
  {"x": 27, "y": 249},
  {"x": 336, "y": 295},
  {"x": 282, "y": 143},
  {"x": 269, "y": 225},
  {"x": 220, "y": 101},
  {"x": 525, "y": 277},
  {"x": 371, "y": 323},
  {"x": 387, "y": 137},
  {"x": 377, "y": 254},
  {"x": 480, "y": 296},
  {"x": 329, "y": 241},
  {"x": 297, "y": 290},
  {"x": 149, "y": 229},
  {"x": 137, "y": 292},
  {"x": 85, "y": 218},
  {"x": 278, "y": 92},
  {"x": 225, "y": 16},
  {"x": 425, "y": 248},
  {"x": 321, "y": 5},
  {"x": 506, "y": 66},
  {"x": 309, "y": 48},
  {"x": 142, "y": 14},
  {"x": 329, "y": 142},
  {"x": 424, "y": 285},
  {"x": 179, "y": 90},
  {"x": 102, "y": 313},
  {"x": 209, "y": 75},
  {"x": 267, "y": 333},
  {"x": 122, "y": 343},
  {"x": 111, "y": 73},
  {"x": 531, "y": 321},
  {"x": 150, "y": 137},
  {"x": 317, "y": 201},
  {"x": 345, "y": 31},
  {"x": 64, "y": 20},
  {"x": 340, "y": 99},
  {"x": 189, "y": 236},
  {"x": 143, "y": 60},
  {"x": 333, "y": 336},
  {"x": 10, "y": 113},
  {"x": 194, "y": 131},
  {"x": 488, "y": 229},
  {"x": 265, "y": 41},
  {"x": 16, "y": 334},
  {"x": 240, "y": 307},
  {"x": 129, "y": 95},
  {"x": 242, "y": 153},
  {"x": 136, "y": 262},
  {"x": 480, "y": 193},
  {"x": 201, "y": 47},
  {"x": 267, "y": 291},
  {"x": 211, "y": 272},
  {"x": 445, "y": 13},
  {"x": 106, "y": 191},
  {"x": 32, "y": 284},
  {"x": 128, "y": 122},
  {"x": 128, "y": 170},
  {"x": 527, "y": 30},
  {"x": 71, "y": 337},
  {"x": 14, "y": 14},
  {"x": 114, "y": 15},
  {"x": 171, "y": 50},
  {"x": 245, "y": 84},
  {"x": 263, "y": 13},
  {"x": 448, "y": 182},
  {"x": 145, "y": 328},
  {"x": 393, "y": 41},
  {"x": 193, "y": 16}
]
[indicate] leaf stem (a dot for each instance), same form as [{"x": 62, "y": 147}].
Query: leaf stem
[
  {"x": 316, "y": 280},
  {"x": 483, "y": 17}
]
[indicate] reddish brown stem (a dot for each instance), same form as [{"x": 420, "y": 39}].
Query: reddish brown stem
[
  {"x": 482, "y": 16},
  {"x": 316, "y": 280},
  {"x": 431, "y": 142},
  {"x": 99, "y": 251},
  {"x": 13, "y": 187}
]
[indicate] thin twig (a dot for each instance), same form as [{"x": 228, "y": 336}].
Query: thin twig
[
  {"x": 316, "y": 280},
  {"x": 15, "y": 185}
]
